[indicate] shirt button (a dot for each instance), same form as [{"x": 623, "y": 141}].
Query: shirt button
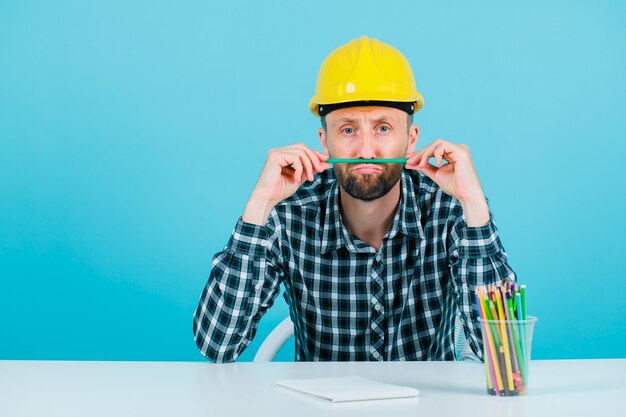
[
  {"x": 257, "y": 286},
  {"x": 376, "y": 355},
  {"x": 377, "y": 307}
]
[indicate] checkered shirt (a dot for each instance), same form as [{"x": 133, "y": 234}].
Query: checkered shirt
[{"x": 347, "y": 300}]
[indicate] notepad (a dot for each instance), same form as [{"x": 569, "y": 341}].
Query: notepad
[{"x": 350, "y": 388}]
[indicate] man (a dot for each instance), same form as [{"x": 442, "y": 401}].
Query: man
[{"x": 376, "y": 258}]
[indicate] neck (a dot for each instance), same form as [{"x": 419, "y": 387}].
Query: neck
[{"x": 369, "y": 220}]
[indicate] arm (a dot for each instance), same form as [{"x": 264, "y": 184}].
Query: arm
[
  {"x": 476, "y": 257},
  {"x": 475, "y": 254},
  {"x": 243, "y": 285},
  {"x": 245, "y": 278}
]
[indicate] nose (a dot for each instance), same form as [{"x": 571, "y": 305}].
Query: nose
[{"x": 366, "y": 146}]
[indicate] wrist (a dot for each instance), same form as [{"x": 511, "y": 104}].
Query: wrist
[
  {"x": 476, "y": 211},
  {"x": 257, "y": 210}
]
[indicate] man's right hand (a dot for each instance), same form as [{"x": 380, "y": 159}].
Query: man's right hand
[{"x": 285, "y": 170}]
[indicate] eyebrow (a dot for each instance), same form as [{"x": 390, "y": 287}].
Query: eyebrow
[{"x": 346, "y": 119}]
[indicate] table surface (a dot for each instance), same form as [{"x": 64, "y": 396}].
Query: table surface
[{"x": 74, "y": 388}]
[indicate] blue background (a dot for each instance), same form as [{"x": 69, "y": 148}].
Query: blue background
[{"x": 132, "y": 133}]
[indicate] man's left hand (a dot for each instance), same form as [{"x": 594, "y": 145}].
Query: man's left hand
[{"x": 457, "y": 177}]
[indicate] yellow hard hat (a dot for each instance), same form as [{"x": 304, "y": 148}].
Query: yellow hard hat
[{"x": 365, "y": 70}]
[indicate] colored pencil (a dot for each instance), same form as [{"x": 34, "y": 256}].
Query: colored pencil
[
  {"x": 498, "y": 384},
  {"x": 523, "y": 292},
  {"x": 506, "y": 303},
  {"x": 516, "y": 338},
  {"x": 488, "y": 369},
  {"x": 522, "y": 330},
  {"x": 507, "y": 390},
  {"x": 505, "y": 341},
  {"x": 367, "y": 161}
]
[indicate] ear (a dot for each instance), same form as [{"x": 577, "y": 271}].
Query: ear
[
  {"x": 322, "y": 135},
  {"x": 413, "y": 135}
]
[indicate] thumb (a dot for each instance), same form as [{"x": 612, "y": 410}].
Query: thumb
[{"x": 428, "y": 170}]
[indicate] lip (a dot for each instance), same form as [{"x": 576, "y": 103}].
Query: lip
[{"x": 366, "y": 168}]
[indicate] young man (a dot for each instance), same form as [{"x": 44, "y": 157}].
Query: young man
[{"x": 376, "y": 258}]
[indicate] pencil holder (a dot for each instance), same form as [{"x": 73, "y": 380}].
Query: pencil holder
[{"x": 507, "y": 345}]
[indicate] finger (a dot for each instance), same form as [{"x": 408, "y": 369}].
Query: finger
[
  {"x": 292, "y": 160},
  {"x": 449, "y": 152},
  {"x": 440, "y": 151},
  {"x": 314, "y": 164},
  {"x": 413, "y": 157},
  {"x": 428, "y": 170},
  {"x": 427, "y": 152},
  {"x": 323, "y": 158},
  {"x": 315, "y": 160},
  {"x": 298, "y": 170},
  {"x": 320, "y": 159},
  {"x": 308, "y": 165},
  {"x": 438, "y": 154},
  {"x": 305, "y": 167},
  {"x": 326, "y": 165},
  {"x": 282, "y": 156}
]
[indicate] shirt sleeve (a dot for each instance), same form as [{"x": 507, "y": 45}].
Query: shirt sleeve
[
  {"x": 477, "y": 257},
  {"x": 242, "y": 286}
]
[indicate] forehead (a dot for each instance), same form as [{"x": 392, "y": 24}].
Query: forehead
[{"x": 365, "y": 113}]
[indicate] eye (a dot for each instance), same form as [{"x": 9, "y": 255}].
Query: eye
[
  {"x": 348, "y": 130},
  {"x": 384, "y": 129}
]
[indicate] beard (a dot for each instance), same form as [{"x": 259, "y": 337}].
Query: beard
[{"x": 369, "y": 187}]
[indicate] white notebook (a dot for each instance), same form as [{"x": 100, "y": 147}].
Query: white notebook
[{"x": 349, "y": 388}]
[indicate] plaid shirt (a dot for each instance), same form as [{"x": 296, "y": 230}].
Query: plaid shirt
[{"x": 347, "y": 300}]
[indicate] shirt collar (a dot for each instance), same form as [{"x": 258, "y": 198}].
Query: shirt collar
[{"x": 407, "y": 220}]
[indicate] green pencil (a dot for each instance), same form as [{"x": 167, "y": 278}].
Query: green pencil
[
  {"x": 489, "y": 307},
  {"x": 516, "y": 341},
  {"x": 367, "y": 161},
  {"x": 523, "y": 291}
]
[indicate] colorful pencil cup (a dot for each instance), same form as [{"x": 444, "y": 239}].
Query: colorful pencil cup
[{"x": 507, "y": 346}]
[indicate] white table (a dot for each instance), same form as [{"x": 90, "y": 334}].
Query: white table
[{"x": 66, "y": 388}]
